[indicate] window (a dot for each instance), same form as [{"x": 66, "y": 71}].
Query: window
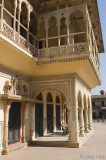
[
  {"x": 102, "y": 103},
  {"x": 93, "y": 104}
]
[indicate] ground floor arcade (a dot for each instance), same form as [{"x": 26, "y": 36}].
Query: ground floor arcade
[{"x": 52, "y": 103}]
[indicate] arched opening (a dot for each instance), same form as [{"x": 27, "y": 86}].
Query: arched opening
[
  {"x": 52, "y": 32},
  {"x": 49, "y": 97},
  {"x": 49, "y": 113},
  {"x": 33, "y": 29},
  {"x": 39, "y": 116},
  {"x": 14, "y": 123},
  {"x": 9, "y": 6},
  {"x": 77, "y": 27},
  {"x": 42, "y": 35},
  {"x": 63, "y": 31},
  {"x": 58, "y": 113},
  {"x": 23, "y": 20}
]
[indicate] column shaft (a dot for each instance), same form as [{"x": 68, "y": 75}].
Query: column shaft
[
  {"x": 32, "y": 124},
  {"x": 44, "y": 114},
  {"x": 86, "y": 120},
  {"x": 74, "y": 135},
  {"x": 81, "y": 123}
]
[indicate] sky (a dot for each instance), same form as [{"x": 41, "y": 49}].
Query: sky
[{"x": 102, "y": 13}]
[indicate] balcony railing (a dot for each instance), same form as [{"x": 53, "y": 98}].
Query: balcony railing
[
  {"x": 11, "y": 33},
  {"x": 64, "y": 50},
  {"x": 17, "y": 38}
]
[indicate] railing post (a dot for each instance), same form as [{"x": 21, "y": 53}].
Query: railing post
[
  {"x": 14, "y": 21},
  {"x": 28, "y": 21},
  {"x": 1, "y": 17},
  {"x": 47, "y": 52},
  {"x": 18, "y": 28}
]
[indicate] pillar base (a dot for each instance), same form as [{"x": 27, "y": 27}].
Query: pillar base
[
  {"x": 86, "y": 131},
  {"x": 13, "y": 148},
  {"x": 82, "y": 134}
]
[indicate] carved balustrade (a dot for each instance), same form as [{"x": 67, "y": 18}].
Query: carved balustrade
[{"x": 14, "y": 35}]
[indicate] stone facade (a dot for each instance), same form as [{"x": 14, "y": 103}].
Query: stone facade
[{"x": 49, "y": 64}]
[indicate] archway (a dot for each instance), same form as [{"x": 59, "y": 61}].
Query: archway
[
  {"x": 14, "y": 123},
  {"x": 39, "y": 116},
  {"x": 52, "y": 32},
  {"x": 23, "y": 20},
  {"x": 77, "y": 26}
]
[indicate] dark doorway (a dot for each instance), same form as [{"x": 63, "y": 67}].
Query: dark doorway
[
  {"x": 39, "y": 119},
  {"x": 50, "y": 118},
  {"x": 14, "y": 123},
  {"x": 58, "y": 126}
]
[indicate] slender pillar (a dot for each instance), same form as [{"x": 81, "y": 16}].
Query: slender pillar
[
  {"x": 58, "y": 26},
  {"x": 18, "y": 27},
  {"x": 64, "y": 115},
  {"x": 54, "y": 112},
  {"x": 32, "y": 124},
  {"x": 46, "y": 25},
  {"x": 7, "y": 105},
  {"x": 28, "y": 21},
  {"x": 90, "y": 126},
  {"x": 1, "y": 16},
  {"x": 81, "y": 122},
  {"x": 73, "y": 115},
  {"x": 67, "y": 24},
  {"x": 14, "y": 20},
  {"x": 44, "y": 113},
  {"x": 69, "y": 124},
  {"x": 23, "y": 105},
  {"x": 86, "y": 120}
]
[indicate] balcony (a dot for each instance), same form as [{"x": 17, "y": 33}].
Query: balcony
[
  {"x": 65, "y": 50},
  {"x": 56, "y": 39},
  {"x": 13, "y": 27}
]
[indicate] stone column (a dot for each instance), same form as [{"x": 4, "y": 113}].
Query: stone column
[
  {"x": 44, "y": 113},
  {"x": 14, "y": 20},
  {"x": 54, "y": 112},
  {"x": 69, "y": 124},
  {"x": 73, "y": 107},
  {"x": 46, "y": 26},
  {"x": 32, "y": 120},
  {"x": 7, "y": 105},
  {"x": 23, "y": 110},
  {"x": 28, "y": 21},
  {"x": 1, "y": 16},
  {"x": 90, "y": 126},
  {"x": 58, "y": 26},
  {"x": 68, "y": 40},
  {"x": 18, "y": 26},
  {"x": 86, "y": 119},
  {"x": 81, "y": 122}
]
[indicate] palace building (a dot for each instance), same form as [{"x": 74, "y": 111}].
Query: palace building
[
  {"x": 99, "y": 106},
  {"x": 49, "y": 62}
]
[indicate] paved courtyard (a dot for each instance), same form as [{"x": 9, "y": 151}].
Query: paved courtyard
[{"x": 93, "y": 149}]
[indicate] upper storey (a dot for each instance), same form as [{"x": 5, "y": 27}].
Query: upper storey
[
  {"x": 51, "y": 31},
  {"x": 42, "y": 6}
]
